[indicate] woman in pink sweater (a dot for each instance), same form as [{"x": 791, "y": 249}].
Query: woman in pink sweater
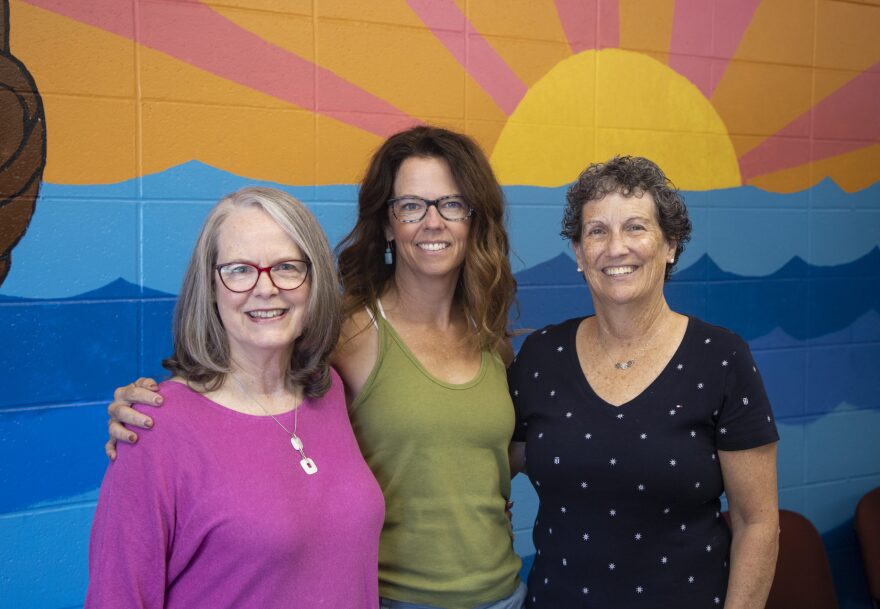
[{"x": 254, "y": 494}]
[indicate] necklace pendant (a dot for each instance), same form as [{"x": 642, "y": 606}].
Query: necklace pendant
[
  {"x": 308, "y": 466},
  {"x": 624, "y": 365},
  {"x": 296, "y": 442}
]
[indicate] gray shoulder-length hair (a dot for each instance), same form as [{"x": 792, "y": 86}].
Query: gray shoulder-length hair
[{"x": 201, "y": 346}]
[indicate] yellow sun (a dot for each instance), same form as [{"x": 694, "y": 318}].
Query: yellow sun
[{"x": 596, "y": 104}]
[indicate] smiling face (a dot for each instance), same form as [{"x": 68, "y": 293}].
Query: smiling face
[
  {"x": 433, "y": 246},
  {"x": 264, "y": 321},
  {"x": 622, "y": 250}
]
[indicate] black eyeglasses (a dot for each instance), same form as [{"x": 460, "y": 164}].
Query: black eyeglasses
[
  {"x": 243, "y": 276},
  {"x": 410, "y": 208}
]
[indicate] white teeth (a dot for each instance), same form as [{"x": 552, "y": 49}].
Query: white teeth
[
  {"x": 433, "y": 247},
  {"x": 619, "y": 270},
  {"x": 266, "y": 314}
]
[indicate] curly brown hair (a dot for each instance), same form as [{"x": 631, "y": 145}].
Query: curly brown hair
[
  {"x": 629, "y": 175},
  {"x": 486, "y": 287}
]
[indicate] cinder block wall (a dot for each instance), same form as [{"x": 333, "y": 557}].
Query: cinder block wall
[{"x": 764, "y": 113}]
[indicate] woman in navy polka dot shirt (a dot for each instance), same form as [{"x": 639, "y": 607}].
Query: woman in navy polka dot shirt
[{"x": 632, "y": 423}]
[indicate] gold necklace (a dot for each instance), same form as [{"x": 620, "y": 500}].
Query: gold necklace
[
  {"x": 628, "y": 363},
  {"x": 307, "y": 464}
]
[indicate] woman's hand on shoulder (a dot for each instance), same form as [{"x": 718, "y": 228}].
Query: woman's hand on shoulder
[
  {"x": 356, "y": 353},
  {"x": 142, "y": 391}
]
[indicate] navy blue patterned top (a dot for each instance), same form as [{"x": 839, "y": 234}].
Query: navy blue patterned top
[{"x": 629, "y": 496}]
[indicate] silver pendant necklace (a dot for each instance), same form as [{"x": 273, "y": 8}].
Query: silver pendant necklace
[
  {"x": 627, "y": 363},
  {"x": 306, "y": 463}
]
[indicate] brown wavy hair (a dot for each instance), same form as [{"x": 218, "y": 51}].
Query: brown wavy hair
[
  {"x": 486, "y": 288},
  {"x": 201, "y": 345}
]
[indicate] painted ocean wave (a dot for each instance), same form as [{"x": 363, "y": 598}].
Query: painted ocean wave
[{"x": 83, "y": 237}]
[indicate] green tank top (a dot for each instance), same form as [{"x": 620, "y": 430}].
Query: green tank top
[{"x": 439, "y": 452}]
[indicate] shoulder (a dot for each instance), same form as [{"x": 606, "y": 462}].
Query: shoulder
[
  {"x": 717, "y": 337},
  {"x": 179, "y": 408},
  {"x": 549, "y": 336},
  {"x": 357, "y": 351},
  {"x": 358, "y": 335}
]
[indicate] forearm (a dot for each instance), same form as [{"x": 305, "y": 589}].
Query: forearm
[{"x": 752, "y": 564}]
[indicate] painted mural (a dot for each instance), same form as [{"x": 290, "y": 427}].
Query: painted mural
[
  {"x": 22, "y": 148},
  {"x": 764, "y": 112}
]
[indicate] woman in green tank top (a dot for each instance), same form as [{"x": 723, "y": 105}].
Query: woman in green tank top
[{"x": 427, "y": 287}]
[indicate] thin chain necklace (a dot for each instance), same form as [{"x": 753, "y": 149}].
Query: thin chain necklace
[
  {"x": 628, "y": 363},
  {"x": 307, "y": 464}
]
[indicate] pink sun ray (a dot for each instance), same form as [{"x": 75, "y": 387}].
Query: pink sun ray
[
  {"x": 842, "y": 122},
  {"x": 195, "y": 34},
  {"x": 590, "y": 24},
  {"x": 705, "y": 36},
  {"x": 476, "y": 56}
]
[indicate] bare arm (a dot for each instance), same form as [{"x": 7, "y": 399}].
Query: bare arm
[
  {"x": 750, "y": 484},
  {"x": 142, "y": 391},
  {"x": 356, "y": 354}
]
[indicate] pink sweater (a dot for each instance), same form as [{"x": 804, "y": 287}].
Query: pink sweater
[{"x": 212, "y": 509}]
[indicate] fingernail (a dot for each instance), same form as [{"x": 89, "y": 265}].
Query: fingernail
[
  {"x": 132, "y": 437},
  {"x": 148, "y": 423},
  {"x": 158, "y": 400}
]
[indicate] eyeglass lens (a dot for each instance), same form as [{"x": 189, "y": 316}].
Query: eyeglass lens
[
  {"x": 242, "y": 277},
  {"x": 413, "y": 209}
]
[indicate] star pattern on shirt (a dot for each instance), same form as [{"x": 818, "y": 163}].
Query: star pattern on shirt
[{"x": 705, "y": 376}]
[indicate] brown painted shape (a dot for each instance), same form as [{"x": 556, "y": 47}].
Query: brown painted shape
[{"x": 22, "y": 146}]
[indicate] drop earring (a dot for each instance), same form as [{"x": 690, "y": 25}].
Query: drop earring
[
  {"x": 580, "y": 270},
  {"x": 389, "y": 255}
]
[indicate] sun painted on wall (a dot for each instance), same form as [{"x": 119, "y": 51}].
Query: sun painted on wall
[{"x": 777, "y": 94}]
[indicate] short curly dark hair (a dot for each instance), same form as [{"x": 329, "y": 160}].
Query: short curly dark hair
[{"x": 629, "y": 175}]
